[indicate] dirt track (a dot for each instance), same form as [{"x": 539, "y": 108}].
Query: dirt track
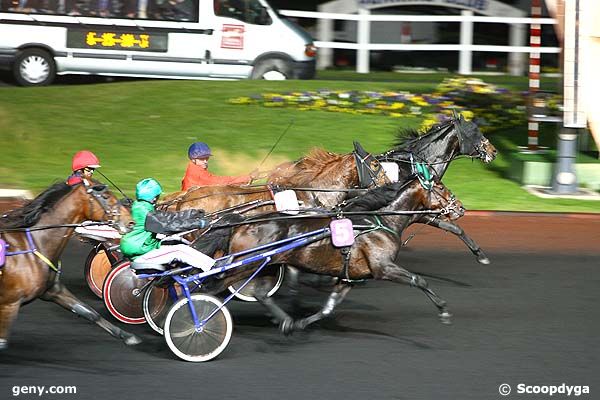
[{"x": 518, "y": 232}]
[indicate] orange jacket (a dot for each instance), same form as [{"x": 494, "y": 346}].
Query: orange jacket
[{"x": 198, "y": 176}]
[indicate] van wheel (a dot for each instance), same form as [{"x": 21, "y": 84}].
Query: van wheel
[
  {"x": 34, "y": 67},
  {"x": 273, "y": 69}
]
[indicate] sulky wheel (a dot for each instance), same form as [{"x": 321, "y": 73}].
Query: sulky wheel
[
  {"x": 202, "y": 344},
  {"x": 97, "y": 266},
  {"x": 122, "y": 294},
  {"x": 267, "y": 277},
  {"x": 157, "y": 302}
]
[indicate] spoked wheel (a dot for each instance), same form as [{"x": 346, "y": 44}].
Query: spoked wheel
[
  {"x": 157, "y": 302},
  {"x": 122, "y": 294},
  {"x": 267, "y": 277},
  {"x": 97, "y": 266},
  {"x": 202, "y": 344}
]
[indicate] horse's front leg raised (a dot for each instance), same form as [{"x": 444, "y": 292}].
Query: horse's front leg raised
[
  {"x": 458, "y": 231},
  {"x": 8, "y": 313},
  {"x": 60, "y": 295},
  {"x": 395, "y": 273},
  {"x": 336, "y": 297}
]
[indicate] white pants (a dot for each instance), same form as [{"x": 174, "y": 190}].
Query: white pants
[{"x": 179, "y": 252}]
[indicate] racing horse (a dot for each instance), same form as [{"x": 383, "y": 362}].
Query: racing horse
[
  {"x": 379, "y": 217},
  {"x": 325, "y": 179},
  {"x": 32, "y": 240}
]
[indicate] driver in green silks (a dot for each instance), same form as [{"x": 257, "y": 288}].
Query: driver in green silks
[{"x": 141, "y": 243}]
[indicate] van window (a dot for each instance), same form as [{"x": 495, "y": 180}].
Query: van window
[
  {"x": 161, "y": 10},
  {"x": 249, "y": 11}
]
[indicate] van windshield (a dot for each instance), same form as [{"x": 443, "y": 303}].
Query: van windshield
[{"x": 249, "y": 11}]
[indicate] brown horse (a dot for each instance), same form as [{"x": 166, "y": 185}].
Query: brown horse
[
  {"x": 319, "y": 169},
  {"x": 35, "y": 237},
  {"x": 372, "y": 256}
]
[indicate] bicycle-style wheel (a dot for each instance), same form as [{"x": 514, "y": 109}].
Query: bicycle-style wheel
[
  {"x": 157, "y": 302},
  {"x": 273, "y": 280},
  {"x": 197, "y": 345},
  {"x": 122, "y": 294},
  {"x": 97, "y": 266}
]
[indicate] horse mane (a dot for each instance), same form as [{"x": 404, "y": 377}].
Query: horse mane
[
  {"x": 405, "y": 137},
  {"x": 30, "y": 213},
  {"x": 318, "y": 161},
  {"x": 378, "y": 197}
]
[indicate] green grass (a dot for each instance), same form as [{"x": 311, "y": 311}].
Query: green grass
[{"x": 143, "y": 128}]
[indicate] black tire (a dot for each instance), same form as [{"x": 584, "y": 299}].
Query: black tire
[
  {"x": 34, "y": 67},
  {"x": 272, "y": 69}
]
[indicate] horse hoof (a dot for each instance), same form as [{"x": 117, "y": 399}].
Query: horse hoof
[
  {"x": 483, "y": 260},
  {"x": 287, "y": 326},
  {"x": 445, "y": 318},
  {"x": 3, "y": 344},
  {"x": 132, "y": 340}
]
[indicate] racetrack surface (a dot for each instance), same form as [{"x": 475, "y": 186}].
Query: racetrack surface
[{"x": 530, "y": 317}]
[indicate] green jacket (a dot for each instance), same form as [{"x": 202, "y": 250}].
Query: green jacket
[{"x": 139, "y": 241}]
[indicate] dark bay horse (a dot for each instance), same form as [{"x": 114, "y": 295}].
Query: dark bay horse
[
  {"x": 372, "y": 256},
  {"x": 32, "y": 267}
]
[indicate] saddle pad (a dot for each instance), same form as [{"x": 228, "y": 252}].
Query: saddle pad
[
  {"x": 287, "y": 202},
  {"x": 391, "y": 170},
  {"x": 3, "y": 246},
  {"x": 342, "y": 232}
]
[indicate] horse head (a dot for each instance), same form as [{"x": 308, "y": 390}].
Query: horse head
[
  {"x": 471, "y": 140},
  {"x": 440, "y": 198},
  {"x": 100, "y": 204}
]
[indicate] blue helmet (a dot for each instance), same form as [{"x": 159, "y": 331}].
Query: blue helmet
[
  {"x": 147, "y": 189},
  {"x": 199, "y": 150}
]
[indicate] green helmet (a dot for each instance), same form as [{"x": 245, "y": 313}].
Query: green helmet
[{"x": 147, "y": 189}]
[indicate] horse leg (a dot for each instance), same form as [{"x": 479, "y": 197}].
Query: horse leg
[
  {"x": 293, "y": 280},
  {"x": 396, "y": 273},
  {"x": 60, "y": 295},
  {"x": 285, "y": 321},
  {"x": 336, "y": 297},
  {"x": 8, "y": 313},
  {"x": 458, "y": 231}
]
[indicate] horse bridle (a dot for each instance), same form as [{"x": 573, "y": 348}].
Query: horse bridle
[
  {"x": 367, "y": 175},
  {"x": 112, "y": 212},
  {"x": 451, "y": 205}
]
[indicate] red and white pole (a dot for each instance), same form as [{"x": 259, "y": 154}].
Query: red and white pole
[{"x": 535, "y": 40}]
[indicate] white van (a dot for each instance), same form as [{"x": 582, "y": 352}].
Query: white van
[{"x": 180, "y": 39}]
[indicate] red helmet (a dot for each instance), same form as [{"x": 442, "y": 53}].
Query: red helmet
[{"x": 85, "y": 159}]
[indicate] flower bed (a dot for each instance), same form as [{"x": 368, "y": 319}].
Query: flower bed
[{"x": 490, "y": 106}]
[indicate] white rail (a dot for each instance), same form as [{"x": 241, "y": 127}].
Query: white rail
[{"x": 516, "y": 49}]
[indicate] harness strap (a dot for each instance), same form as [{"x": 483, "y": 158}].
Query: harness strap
[
  {"x": 33, "y": 250},
  {"x": 423, "y": 174}
]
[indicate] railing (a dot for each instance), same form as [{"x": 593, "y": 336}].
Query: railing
[{"x": 516, "y": 47}]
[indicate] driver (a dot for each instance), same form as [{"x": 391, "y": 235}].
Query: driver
[
  {"x": 142, "y": 245},
  {"x": 197, "y": 173},
  {"x": 83, "y": 165}
]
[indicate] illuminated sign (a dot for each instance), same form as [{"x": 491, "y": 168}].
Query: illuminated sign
[{"x": 117, "y": 40}]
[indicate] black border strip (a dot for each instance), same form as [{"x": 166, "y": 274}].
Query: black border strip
[
  {"x": 107, "y": 26},
  {"x": 101, "y": 55},
  {"x": 169, "y": 59}
]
